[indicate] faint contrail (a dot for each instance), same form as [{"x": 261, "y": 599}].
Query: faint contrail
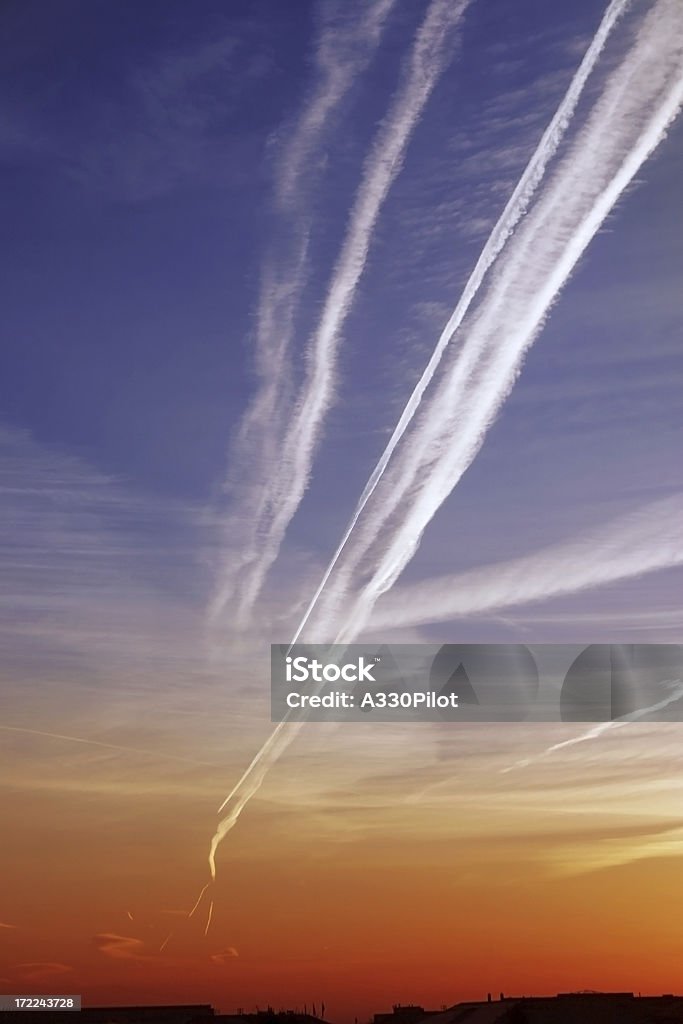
[
  {"x": 641, "y": 99},
  {"x": 198, "y": 901},
  {"x": 643, "y": 541},
  {"x": 342, "y": 53},
  {"x": 514, "y": 210},
  {"x": 208, "y": 920},
  {"x": 346, "y": 43},
  {"x": 290, "y": 471},
  {"x": 676, "y": 694},
  {"x": 191, "y": 913},
  {"x": 109, "y": 746}
]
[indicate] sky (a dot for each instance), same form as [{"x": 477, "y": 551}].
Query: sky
[{"x": 278, "y": 275}]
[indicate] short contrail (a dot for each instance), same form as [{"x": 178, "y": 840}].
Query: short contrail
[
  {"x": 190, "y": 914},
  {"x": 676, "y": 694},
  {"x": 347, "y": 41},
  {"x": 640, "y": 101},
  {"x": 199, "y": 900},
  {"x": 514, "y": 210},
  {"x": 291, "y": 469},
  {"x": 649, "y": 539},
  {"x": 208, "y": 920}
]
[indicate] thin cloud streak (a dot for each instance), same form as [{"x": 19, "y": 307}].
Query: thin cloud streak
[
  {"x": 157, "y": 754},
  {"x": 290, "y": 471},
  {"x": 640, "y": 101},
  {"x": 594, "y": 733},
  {"x": 644, "y": 541}
]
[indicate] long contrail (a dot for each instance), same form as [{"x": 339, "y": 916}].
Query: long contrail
[
  {"x": 514, "y": 210},
  {"x": 342, "y": 54},
  {"x": 594, "y": 733},
  {"x": 628, "y": 546},
  {"x": 641, "y": 99},
  {"x": 290, "y": 471}
]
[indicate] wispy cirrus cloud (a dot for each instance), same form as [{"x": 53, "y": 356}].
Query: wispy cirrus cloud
[
  {"x": 89, "y": 562},
  {"x": 224, "y": 957},
  {"x": 120, "y": 947},
  {"x": 42, "y": 970},
  {"x": 160, "y": 127},
  {"x": 103, "y": 610}
]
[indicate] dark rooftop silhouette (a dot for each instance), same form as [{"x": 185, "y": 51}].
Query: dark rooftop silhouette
[{"x": 564, "y": 1008}]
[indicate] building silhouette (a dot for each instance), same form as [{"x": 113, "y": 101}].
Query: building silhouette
[{"x": 564, "y": 1008}]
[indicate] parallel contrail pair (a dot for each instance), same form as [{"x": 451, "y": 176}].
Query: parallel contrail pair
[
  {"x": 514, "y": 210},
  {"x": 642, "y": 97},
  {"x": 291, "y": 462},
  {"x": 342, "y": 54}
]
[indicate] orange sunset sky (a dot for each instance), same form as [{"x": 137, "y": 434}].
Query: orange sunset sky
[{"x": 378, "y": 863}]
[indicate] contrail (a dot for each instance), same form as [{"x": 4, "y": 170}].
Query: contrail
[
  {"x": 291, "y": 470},
  {"x": 250, "y": 783},
  {"x": 191, "y": 913},
  {"x": 676, "y": 694},
  {"x": 199, "y": 900},
  {"x": 108, "y": 746},
  {"x": 649, "y": 539},
  {"x": 343, "y": 52},
  {"x": 640, "y": 101},
  {"x": 208, "y": 920},
  {"x": 514, "y": 210}
]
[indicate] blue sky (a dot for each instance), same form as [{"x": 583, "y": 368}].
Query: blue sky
[
  {"x": 232, "y": 235},
  {"x": 164, "y": 174},
  {"x": 138, "y": 157}
]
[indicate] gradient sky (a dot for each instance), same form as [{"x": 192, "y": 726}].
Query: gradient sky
[{"x": 185, "y": 196}]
